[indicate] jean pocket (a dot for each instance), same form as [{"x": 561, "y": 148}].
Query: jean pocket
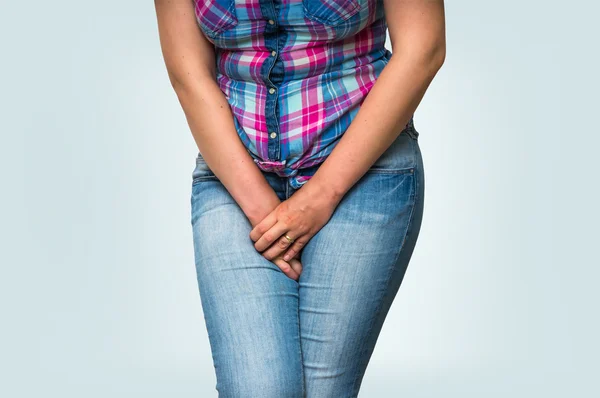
[
  {"x": 400, "y": 157},
  {"x": 202, "y": 172},
  {"x": 215, "y": 17}
]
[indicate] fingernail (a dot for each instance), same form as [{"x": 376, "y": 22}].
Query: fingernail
[{"x": 286, "y": 257}]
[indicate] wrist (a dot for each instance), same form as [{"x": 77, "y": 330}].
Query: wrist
[
  {"x": 329, "y": 193},
  {"x": 260, "y": 207}
]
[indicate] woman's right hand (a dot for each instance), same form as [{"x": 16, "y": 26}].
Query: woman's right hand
[{"x": 292, "y": 268}]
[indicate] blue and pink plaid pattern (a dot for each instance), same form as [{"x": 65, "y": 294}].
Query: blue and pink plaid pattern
[{"x": 295, "y": 73}]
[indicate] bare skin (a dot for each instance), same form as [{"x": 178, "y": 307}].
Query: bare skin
[{"x": 417, "y": 33}]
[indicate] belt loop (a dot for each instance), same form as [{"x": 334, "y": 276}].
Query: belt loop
[
  {"x": 410, "y": 128},
  {"x": 287, "y": 188}
]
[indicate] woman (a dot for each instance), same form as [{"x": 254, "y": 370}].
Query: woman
[{"x": 307, "y": 194}]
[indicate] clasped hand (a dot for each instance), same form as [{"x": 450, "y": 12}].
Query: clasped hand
[{"x": 300, "y": 217}]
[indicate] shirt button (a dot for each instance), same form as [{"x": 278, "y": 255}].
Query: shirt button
[
  {"x": 273, "y": 134},
  {"x": 271, "y": 22},
  {"x": 271, "y": 90},
  {"x": 273, "y": 53}
]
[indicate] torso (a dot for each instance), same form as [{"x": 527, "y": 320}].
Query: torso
[{"x": 295, "y": 73}]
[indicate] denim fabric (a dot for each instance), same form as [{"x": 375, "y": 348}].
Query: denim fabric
[{"x": 274, "y": 337}]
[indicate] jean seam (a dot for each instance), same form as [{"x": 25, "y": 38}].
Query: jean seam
[
  {"x": 363, "y": 356},
  {"x": 303, "y": 386}
]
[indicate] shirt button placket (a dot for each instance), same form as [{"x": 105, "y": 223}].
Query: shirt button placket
[{"x": 272, "y": 37}]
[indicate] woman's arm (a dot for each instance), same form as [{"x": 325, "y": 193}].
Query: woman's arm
[
  {"x": 417, "y": 32},
  {"x": 190, "y": 62}
]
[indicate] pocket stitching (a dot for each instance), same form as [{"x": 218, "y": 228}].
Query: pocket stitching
[
  {"x": 309, "y": 15},
  {"x": 384, "y": 170}
]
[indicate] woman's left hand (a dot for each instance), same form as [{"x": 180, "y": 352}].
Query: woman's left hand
[{"x": 300, "y": 217}]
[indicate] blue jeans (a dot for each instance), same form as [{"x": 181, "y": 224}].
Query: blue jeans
[{"x": 274, "y": 337}]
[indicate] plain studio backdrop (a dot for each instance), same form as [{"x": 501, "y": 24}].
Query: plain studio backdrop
[{"x": 98, "y": 292}]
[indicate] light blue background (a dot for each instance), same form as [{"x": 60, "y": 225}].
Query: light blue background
[{"x": 98, "y": 294}]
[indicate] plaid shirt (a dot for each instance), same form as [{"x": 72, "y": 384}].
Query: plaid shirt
[{"x": 294, "y": 73}]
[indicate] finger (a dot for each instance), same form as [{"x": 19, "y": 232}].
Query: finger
[
  {"x": 296, "y": 265},
  {"x": 270, "y": 236},
  {"x": 286, "y": 268},
  {"x": 279, "y": 247},
  {"x": 263, "y": 226},
  {"x": 296, "y": 247},
  {"x": 298, "y": 255}
]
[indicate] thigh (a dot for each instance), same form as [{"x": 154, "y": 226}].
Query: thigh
[
  {"x": 353, "y": 267},
  {"x": 250, "y": 307}
]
